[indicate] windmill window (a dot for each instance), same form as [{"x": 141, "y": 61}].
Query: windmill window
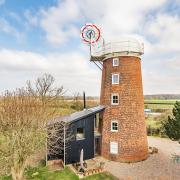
[
  {"x": 114, "y": 126},
  {"x": 115, "y": 78},
  {"x": 80, "y": 133},
  {"x": 115, "y": 99},
  {"x": 115, "y": 61},
  {"x": 113, "y": 147}
]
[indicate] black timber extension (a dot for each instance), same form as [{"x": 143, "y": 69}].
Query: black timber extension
[{"x": 82, "y": 125}]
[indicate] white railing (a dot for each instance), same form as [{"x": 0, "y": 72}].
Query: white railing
[{"x": 119, "y": 46}]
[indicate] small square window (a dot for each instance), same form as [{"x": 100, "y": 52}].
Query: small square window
[
  {"x": 115, "y": 61},
  {"x": 113, "y": 147},
  {"x": 115, "y": 78},
  {"x": 80, "y": 134},
  {"x": 115, "y": 99},
  {"x": 114, "y": 126}
]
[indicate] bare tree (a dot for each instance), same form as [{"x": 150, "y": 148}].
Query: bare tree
[
  {"x": 23, "y": 117},
  {"x": 60, "y": 135},
  {"x": 44, "y": 88}
]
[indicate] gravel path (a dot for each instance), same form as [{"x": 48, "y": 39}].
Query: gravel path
[{"x": 157, "y": 167}]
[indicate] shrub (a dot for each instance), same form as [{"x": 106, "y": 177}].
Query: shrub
[{"x": 172, "y": 125}]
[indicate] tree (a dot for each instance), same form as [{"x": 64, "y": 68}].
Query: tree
[
  {"x": 44, "y": 88},
  {"x": 172, "y": 125},
  {"x": 49, "y": 95},
  {"x": 23, "y": 117},
  {"x": 59, "y": 137}
]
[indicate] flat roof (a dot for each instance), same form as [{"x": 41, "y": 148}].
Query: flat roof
[{"x": 77, "y": 115}]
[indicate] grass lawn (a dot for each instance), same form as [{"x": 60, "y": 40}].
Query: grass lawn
[{"x": 42, "y": 173}]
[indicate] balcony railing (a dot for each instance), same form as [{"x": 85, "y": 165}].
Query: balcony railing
[{"x": 130, "y": 45}]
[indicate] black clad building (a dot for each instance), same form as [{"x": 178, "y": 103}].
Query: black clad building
[{"x": 85, "y": 127}]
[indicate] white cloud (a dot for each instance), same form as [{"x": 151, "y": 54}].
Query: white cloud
[
  {"x": 6, "y": 27},
  {"x": 164, "y": 29},
  {"x": 58, "y": 22},
  {"x": 115, "y": 17},
  {"x": 173, "y": 63},
  {"x": 12, "y": 60},
  {"x": 164, "y": 81},
  {"x": 119, "y": 17},
  {"x": 72, "y": 70}
]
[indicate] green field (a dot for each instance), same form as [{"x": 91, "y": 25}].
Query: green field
[
  {"x": 153, "y": 121},
  {"x": 156, "y": 104},
  {"x": 158, "y": 101}
]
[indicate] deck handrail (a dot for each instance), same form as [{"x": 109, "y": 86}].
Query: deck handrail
[{"x": 119, "y": 46}]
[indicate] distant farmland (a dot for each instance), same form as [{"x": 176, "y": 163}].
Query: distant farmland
[{"x": 159, "y": 104}]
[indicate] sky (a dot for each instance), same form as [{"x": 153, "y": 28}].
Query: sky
[{"x": 43, "y": 36}]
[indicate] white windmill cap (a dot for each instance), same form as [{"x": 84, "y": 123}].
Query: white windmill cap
[{"x": 121, "y": 46}]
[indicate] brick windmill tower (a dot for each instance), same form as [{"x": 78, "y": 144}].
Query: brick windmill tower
[{"x": 124, "y": 133}]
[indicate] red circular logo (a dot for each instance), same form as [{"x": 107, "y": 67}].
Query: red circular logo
[{"x": 90, "y": 33}]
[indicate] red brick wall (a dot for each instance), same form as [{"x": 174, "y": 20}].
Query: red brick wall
[{"x": 131, "y": 135}]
